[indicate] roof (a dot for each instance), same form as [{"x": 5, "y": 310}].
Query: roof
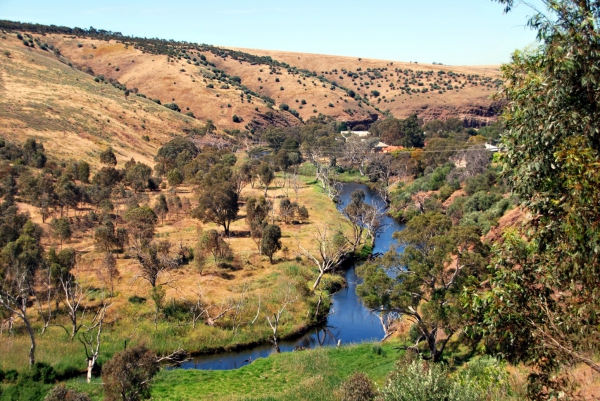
[
  {"x": 392, "y": 148},
  {"x": 359, "y": 133}
]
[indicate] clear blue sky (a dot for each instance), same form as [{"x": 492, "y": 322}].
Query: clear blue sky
[{"x": 455, "y": 32}]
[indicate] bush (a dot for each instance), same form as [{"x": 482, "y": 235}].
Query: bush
[
  {"x": 40, "y": 372},
  {"x": 177, "y": 310},
  {"x": 445, "y": 192},
  {"x": 357, "y": 387},
  {"x": 422, "y": 382},
  {"x": 480, "y": 202},
  {"x": 284, "y": 107},
  {"x": 61, "y": 393},
  {"x": 11, "y": 376},
  {"x": 172, "y": 106},
  {"x": 236, "y": 119},
  {"x": 136, "y": 300},
  {"x": 127, "y": 376}
]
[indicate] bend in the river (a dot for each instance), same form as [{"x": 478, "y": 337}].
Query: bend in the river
[{"x": 349, "y": 320}]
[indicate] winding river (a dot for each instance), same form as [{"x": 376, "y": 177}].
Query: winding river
[{"x": 349, "y": 322}]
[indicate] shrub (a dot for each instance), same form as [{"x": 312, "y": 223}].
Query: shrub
[
  {"x": 11, "y": 376},
  {"x": 40, "y": 372},
  {"x": 172, "y": 106},
  {"x": 284, "y": 107},
  {"x": 210, "y": 86},
  {"x": 136, "y": 300},
  {"x": 190, "y": 114},
  {"x": 127, "y": 376},
  {"x": 61, "y": 393},
  {"x": 7, "y": 53},
  {"x": 420, "y": 382},
  {"x": 357, "y": 387},
  {"x": 480, "y": 202},
  {"x": 236, "y": 119}
]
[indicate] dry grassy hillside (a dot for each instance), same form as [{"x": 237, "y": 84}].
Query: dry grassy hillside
[
  {"x": 175, "y": 81},
  {"x": 41, "y": 97},
  {"x": 61, "y": 104},
  {"x": 471, "y": 102}
]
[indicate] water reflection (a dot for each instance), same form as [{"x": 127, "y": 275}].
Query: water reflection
[{"x": 349, "y": 321}]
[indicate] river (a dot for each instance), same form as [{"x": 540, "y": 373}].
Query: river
[{"x": 349, "y": 320}]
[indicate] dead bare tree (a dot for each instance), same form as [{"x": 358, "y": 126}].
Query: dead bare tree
[
  {"x": 327, "y": 176},
  {"x": 91, "y": 339},
  {"x": 275, "y": 319},
  {"x": 74, "y": 294},
  {"x": 46, "y": 293},
  {"x": 332, "y": 249}
]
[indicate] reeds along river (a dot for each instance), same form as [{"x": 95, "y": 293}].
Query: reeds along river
[{"x": 349, "y": 321}]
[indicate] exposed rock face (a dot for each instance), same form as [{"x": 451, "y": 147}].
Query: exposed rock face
[
  {"x": 473, "y": 115},
  {"x": 274, "y": 118}
]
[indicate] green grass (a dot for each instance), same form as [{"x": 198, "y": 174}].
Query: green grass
[{"x": 305, "y": 375}]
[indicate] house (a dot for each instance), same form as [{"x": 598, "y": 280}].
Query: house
[
  {"x": 359, "y": 133},
  {"x": 390, "y": 149},
  {"x": 380, "y": 147}
]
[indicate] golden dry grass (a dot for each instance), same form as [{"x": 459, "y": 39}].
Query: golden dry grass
[{"x": 75, "y": 117}]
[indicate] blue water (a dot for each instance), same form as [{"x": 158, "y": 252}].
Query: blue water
[{"x": 349, "y": 320}]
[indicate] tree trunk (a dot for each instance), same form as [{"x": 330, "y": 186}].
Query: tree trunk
[
  {"x": 32, "y": 338},
  {"x": 318, "y": 280},
  {"x": 90, "y": 366}
]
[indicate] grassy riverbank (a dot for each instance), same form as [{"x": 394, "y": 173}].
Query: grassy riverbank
[{"x": 305, "y": 375}]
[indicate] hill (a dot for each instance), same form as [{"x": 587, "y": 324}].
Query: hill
[
  {"x": 42, "y": 97},
  {"x": 65, "y": 73}
]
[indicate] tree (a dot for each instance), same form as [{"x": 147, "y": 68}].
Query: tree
[
  {"x": 92, "y": 338},
  {"x": 155, "y": 260},
  {"x": 257, "y": 210},
  {"x": 19, "y": 261},
  {"x": 127, "y": 376},
  {"x": 175, "y": 177},
  {"x": 108, "y": 272},
  {"x": 73, "y": 293},
  {"x": 62, "y": 229},
  {"x": 427, "y": 280},
  {"x": 332, "y": 249},
  {"x": 160, "y": 207},
  {"x": 544, "y": 296},
  {"x": 141, "y": 222},
  {"x": 218, "y": 204},
  {"x": 83, "y": 172},
  {"x": 137, "y": 175},
  {"x": 271, "y": 241},
  {"x": 265, "y": 175},
  {"x": 215, "y": 244},
  {"x": 108, "y": 157}
]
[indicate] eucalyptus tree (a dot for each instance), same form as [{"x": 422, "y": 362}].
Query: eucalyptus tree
[
  {"x": 426, "y": 281},
  {"x": 545, "y": 285}
]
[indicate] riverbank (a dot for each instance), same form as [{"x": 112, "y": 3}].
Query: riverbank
[{"x": 309, "y": 375}]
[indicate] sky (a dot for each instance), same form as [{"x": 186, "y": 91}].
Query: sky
[{"x": 452, "y": 32}]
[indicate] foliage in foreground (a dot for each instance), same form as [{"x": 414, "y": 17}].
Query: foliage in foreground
[{"x": 545, "y": 289}]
